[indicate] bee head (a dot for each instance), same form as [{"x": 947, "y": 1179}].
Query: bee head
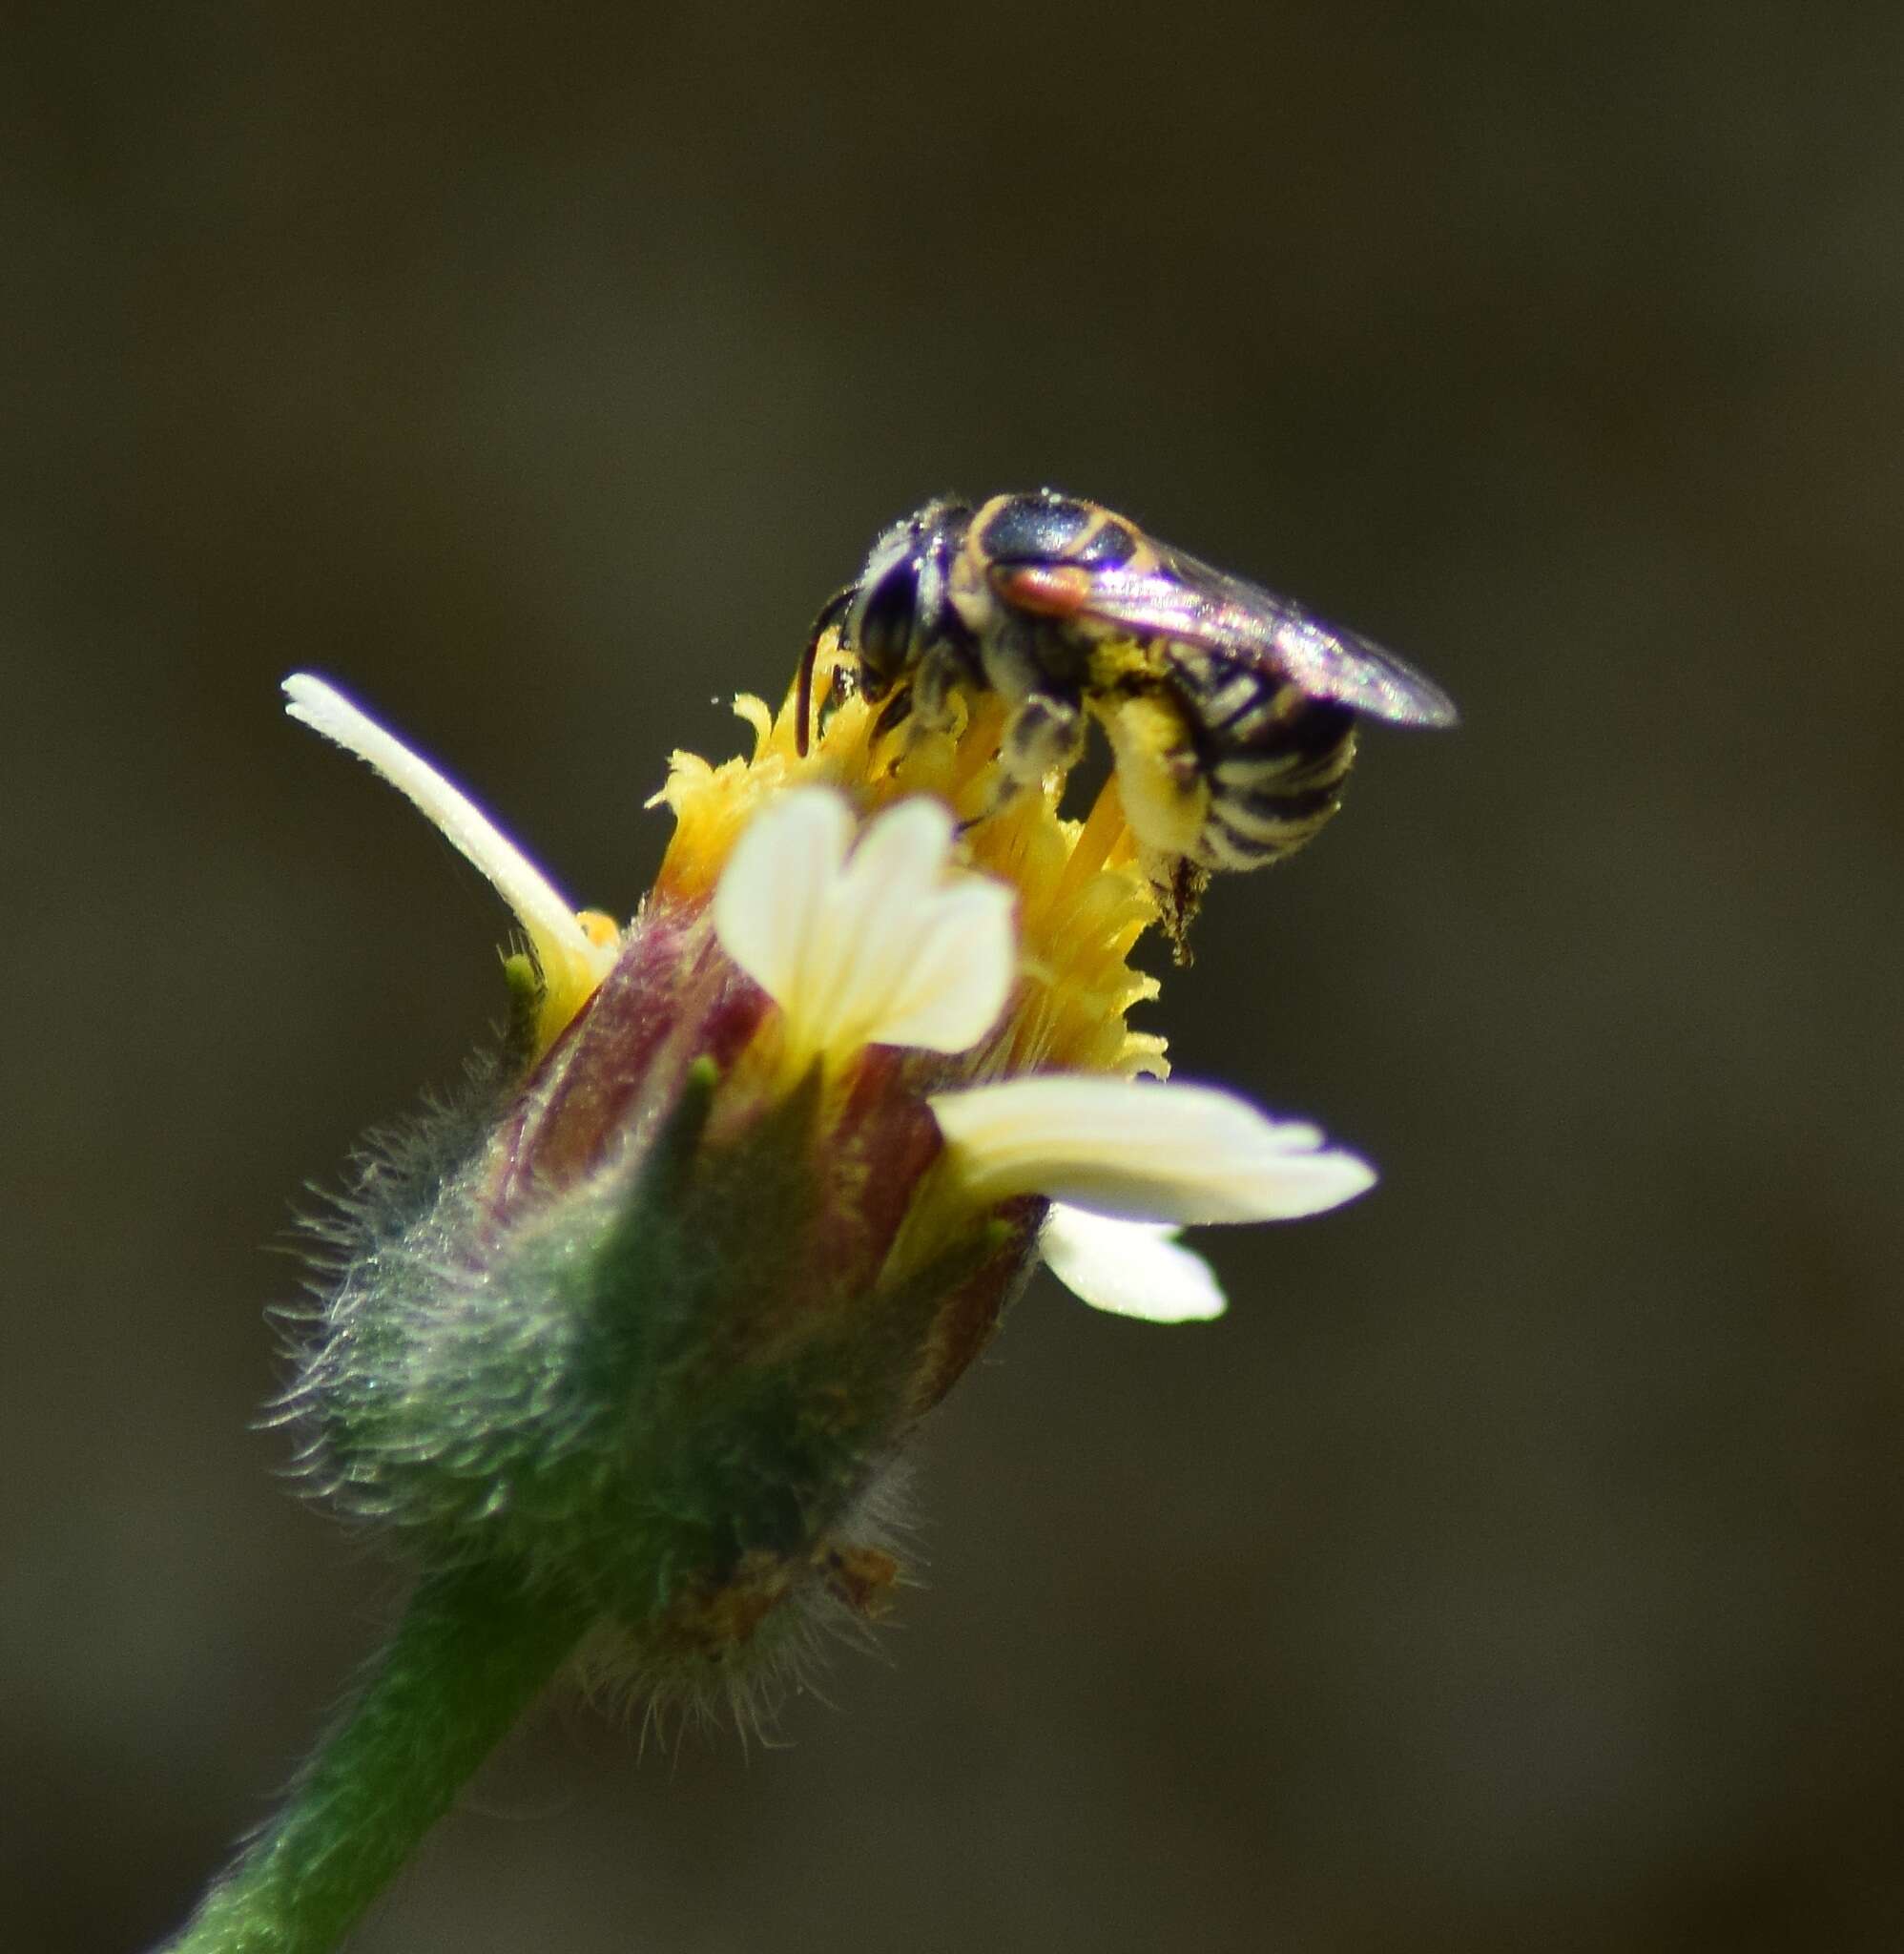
[{"x": 899, "y": 605}]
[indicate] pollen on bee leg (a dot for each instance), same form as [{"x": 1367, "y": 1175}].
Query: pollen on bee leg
[
  {"x": 1166, "y": 793},
  {"x": 1167, "y": 798},
  {"x": 1179, "y": 884}
]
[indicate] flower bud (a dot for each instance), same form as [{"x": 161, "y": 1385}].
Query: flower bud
[{"x": 650, "y": 1318}]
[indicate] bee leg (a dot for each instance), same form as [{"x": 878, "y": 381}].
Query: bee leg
[
  {"x": 1044, "y": 735},
  {"x": 1177, "y": 884},
  {"x": 926, "y": 698},
  {"x": 935, "y": 680},
  {"x": 1165, "y": 786},
  {"x": 895, "y": 712},
  {"x": 1167, "y": 800}
]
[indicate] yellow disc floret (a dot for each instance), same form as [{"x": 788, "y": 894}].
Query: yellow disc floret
[{"x": 1083, "y": 899}]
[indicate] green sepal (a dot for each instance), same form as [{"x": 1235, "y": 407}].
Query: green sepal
[{"x": 526, "y": 991}]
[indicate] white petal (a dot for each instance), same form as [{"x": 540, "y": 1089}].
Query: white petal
[
  {"x": 775, "y": 884},
  {"x": 868, "y": 926},
  {"x": 878, "y": 949},
  {"x": 565, "y": 950},
  {"x": 956, "y": 973},
  {"x": 1143, "y": 1152},
  {"x": 907, "y": 846},
  {"x": 1129, "y": 1268}
]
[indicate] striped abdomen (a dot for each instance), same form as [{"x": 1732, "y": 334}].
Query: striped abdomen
[{"x": 1274, "y": 758}]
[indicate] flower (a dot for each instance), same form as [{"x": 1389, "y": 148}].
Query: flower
[
  {"x": 892, "y": 946},
  {"x": 760, "y": 1177},
  {"x": 624, "y": 1347}
]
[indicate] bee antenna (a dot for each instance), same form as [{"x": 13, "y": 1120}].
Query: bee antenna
[{"x": 830, "y": 613}]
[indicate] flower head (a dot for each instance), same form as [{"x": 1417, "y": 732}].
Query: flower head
[{"x": 766, "y": 1170}]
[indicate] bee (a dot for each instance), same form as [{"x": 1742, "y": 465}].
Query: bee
[{"x": 1230, "y": 712}]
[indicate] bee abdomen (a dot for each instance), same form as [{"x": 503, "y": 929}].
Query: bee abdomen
[{"x": 1272, "y": 791}]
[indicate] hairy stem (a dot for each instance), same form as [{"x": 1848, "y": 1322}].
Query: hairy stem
[{"x": 471, "y": 1654}]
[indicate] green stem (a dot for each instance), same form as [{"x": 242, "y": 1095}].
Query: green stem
[{"x": 473, "y": 1652}]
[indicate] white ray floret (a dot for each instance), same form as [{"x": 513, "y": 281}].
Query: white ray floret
[
  {"x": 1129, "y": 1268},
  {"x": 573, "y": 962},
  {"x": 882, "y": 944},
  {"x": 1139, "y": 1151}
]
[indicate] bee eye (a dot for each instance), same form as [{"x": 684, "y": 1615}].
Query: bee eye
[
  {"x": 886, "y": 619},
  {"x": 1033, "y": 529}
]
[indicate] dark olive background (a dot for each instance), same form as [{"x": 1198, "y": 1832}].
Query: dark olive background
[{"x": 1522, "y": 1562}]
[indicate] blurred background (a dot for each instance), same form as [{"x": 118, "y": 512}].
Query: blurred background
[{"x": 1522, "y": 1562}]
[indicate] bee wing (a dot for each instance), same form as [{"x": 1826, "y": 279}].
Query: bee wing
[{"x": 1184, "y": 598}]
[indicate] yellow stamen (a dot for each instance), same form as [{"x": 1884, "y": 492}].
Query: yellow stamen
[{"x": 1083, "y": 899}]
